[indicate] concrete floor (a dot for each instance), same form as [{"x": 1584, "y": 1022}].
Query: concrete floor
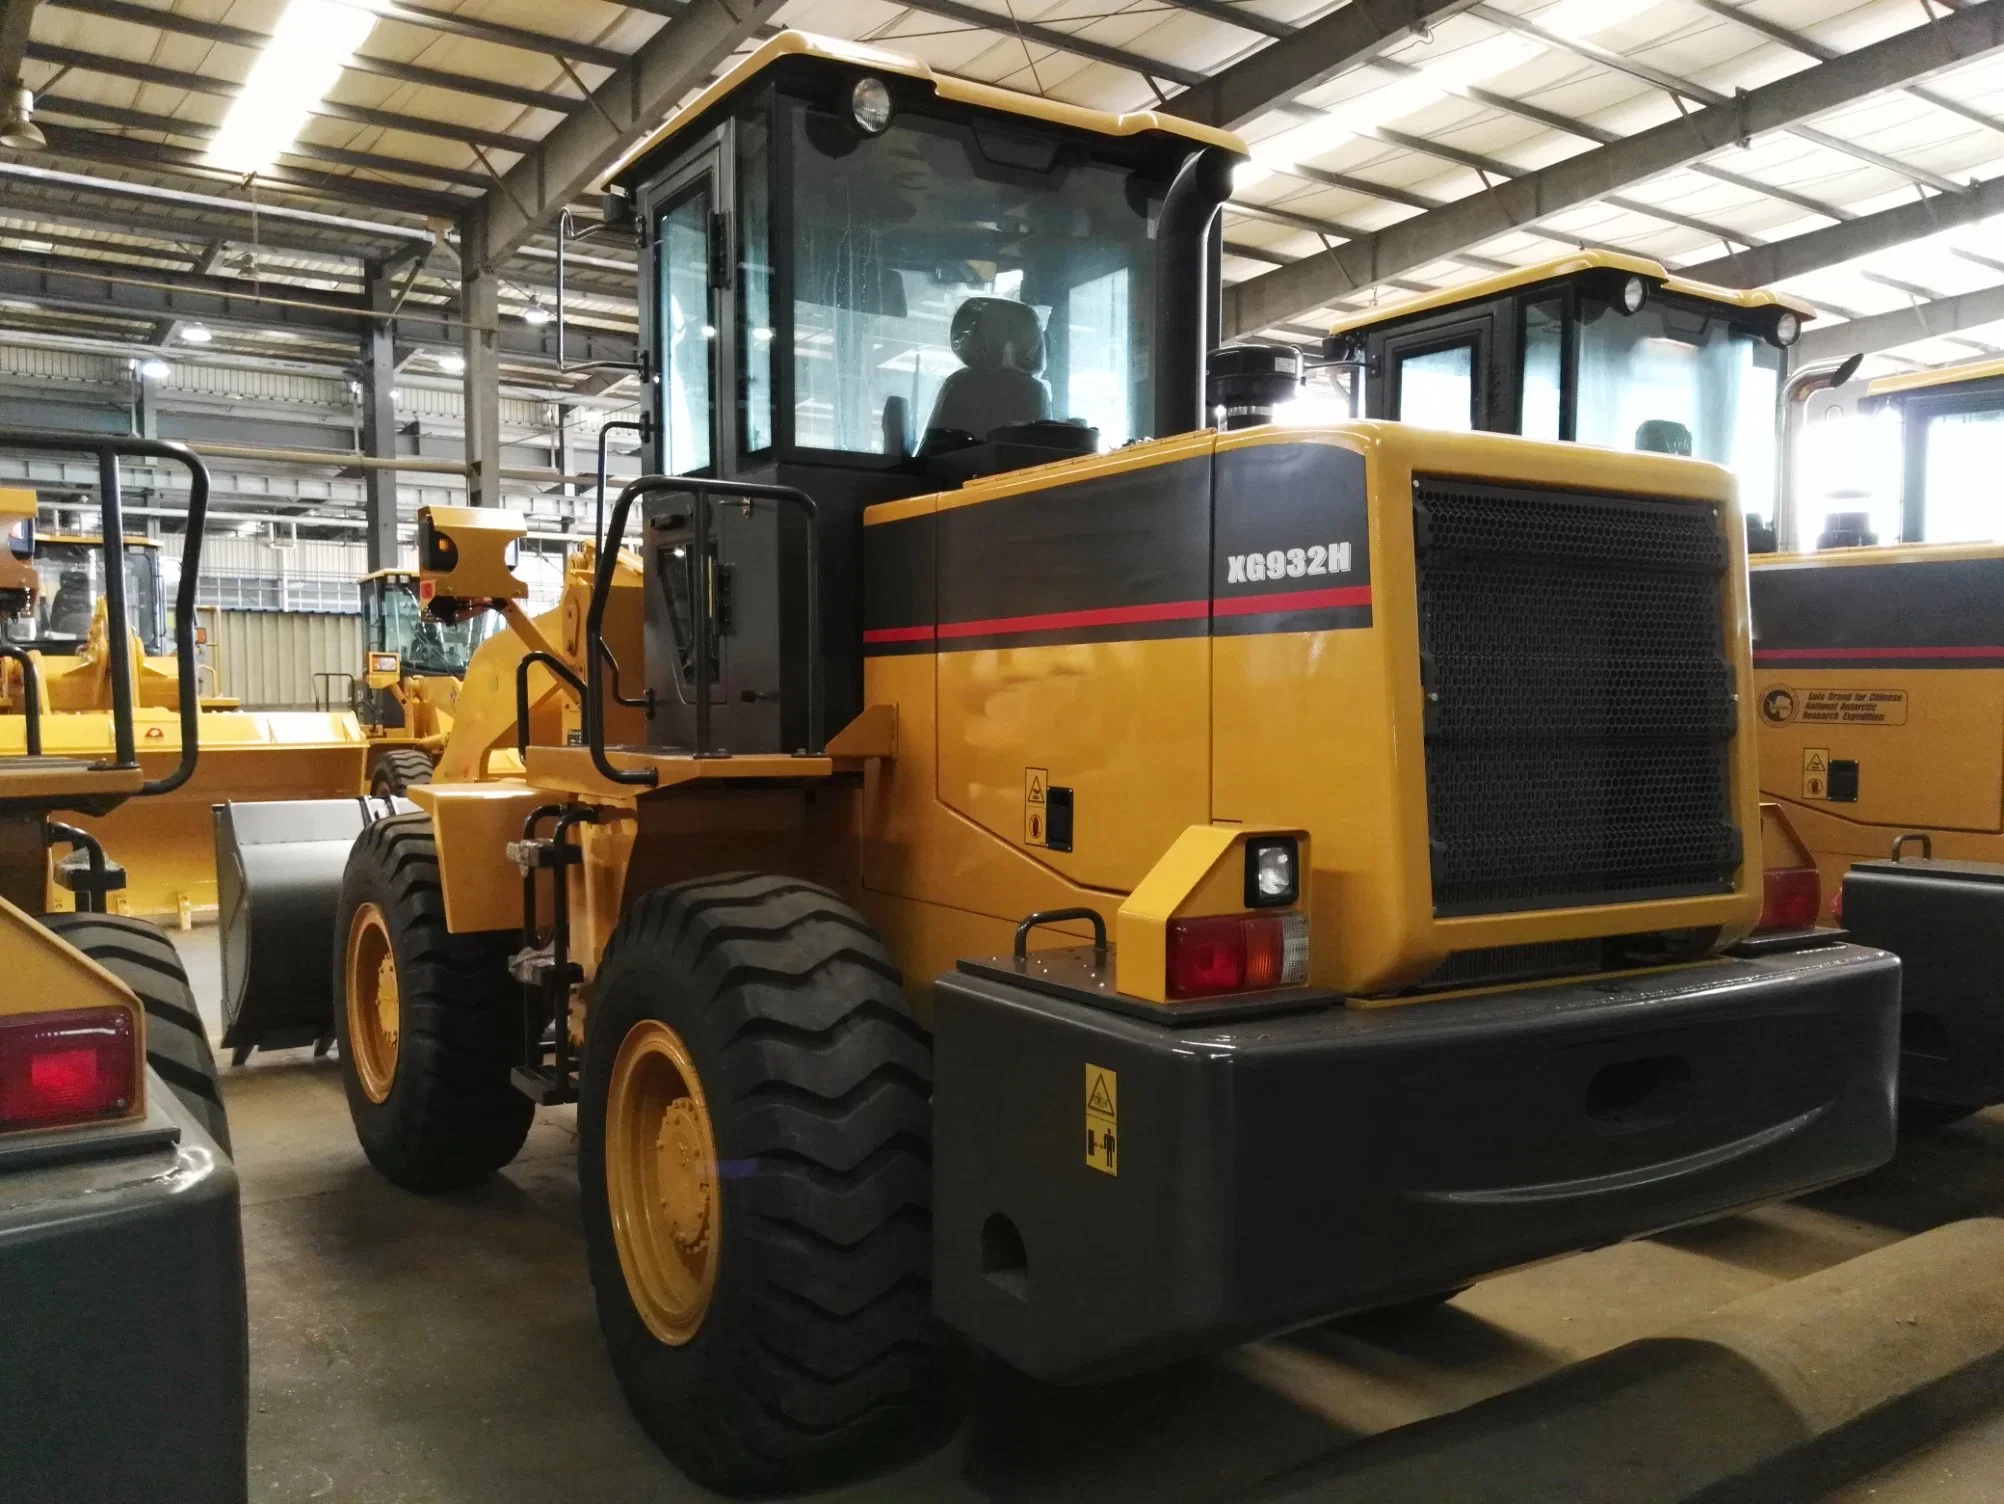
[{"x": 441, "y": 1349}]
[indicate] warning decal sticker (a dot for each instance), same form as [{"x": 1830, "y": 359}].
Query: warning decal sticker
[
  {"x": 1035, "y": 781},
  {"x": 1102, "y": 1119},
  {"x": 1816, "y": 772}
]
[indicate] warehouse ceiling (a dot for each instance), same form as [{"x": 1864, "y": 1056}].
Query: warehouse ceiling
[{"x": 1853, "y": 152}]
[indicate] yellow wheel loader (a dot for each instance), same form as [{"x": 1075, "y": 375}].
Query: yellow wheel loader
[
  {"x": 1879, "y": 667},
  {"x": 987, "y": 853},
  {"x": 66, "y": 647},
  {"x": 124, "y": 1349},
  {"x": 1878, "y": 664},
  {"x": 410, "y": 680}
]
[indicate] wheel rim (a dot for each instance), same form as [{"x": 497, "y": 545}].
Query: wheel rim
[
  {"x": 661, "y": 1181},
  {"x": 375, "y": 1007}
]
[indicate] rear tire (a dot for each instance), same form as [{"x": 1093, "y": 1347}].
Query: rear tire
[
  {"x": 397, "y": 769},
  {"x": 807, "y": 1352},
  {"x": 177, "y": 1041},
  {"x": 440, "y": 1111}
]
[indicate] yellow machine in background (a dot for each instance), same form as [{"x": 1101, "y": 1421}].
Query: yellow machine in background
[
  {"x": 999, "y": 852},
  {"x": 410, "y": 679},
  {"x": 1879, "y": 671},
  {"x": 167, "y": 843},
  {"x": 113, "y": 1136}
]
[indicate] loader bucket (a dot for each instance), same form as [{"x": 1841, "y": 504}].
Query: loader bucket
[
  {"x": 165, "y": 843},
  {"x": 278, "y": 869}
]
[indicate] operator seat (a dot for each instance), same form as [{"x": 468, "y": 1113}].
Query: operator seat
[{"x": 1001, "y": 350}]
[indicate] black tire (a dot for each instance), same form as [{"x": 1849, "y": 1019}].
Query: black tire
[
  {"x": 452, "y": 1116},
  {"x": 397, "y": 769},
  {"x": 177, "y": 1041},
  {"x": 818, "y": 1358}
]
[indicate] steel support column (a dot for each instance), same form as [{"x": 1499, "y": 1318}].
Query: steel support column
[
  {"x": 379, "y": 421},
  {"x": 481, "y": 346}
]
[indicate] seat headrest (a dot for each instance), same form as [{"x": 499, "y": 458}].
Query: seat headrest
[{"x": 991, "y": 334}]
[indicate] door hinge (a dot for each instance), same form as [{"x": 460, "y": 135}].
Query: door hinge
[{"x": 721, "y": 259}]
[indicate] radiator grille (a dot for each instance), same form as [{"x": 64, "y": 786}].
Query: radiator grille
[{"x": 1580, "y": 703}]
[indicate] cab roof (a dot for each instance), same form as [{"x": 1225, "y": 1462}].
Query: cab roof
[
  {"x": 1918, "y": 381},
  {"x": 1560, "y": 268},
  {"x": 847, "y": 55}
]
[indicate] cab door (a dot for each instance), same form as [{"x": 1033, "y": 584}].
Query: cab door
[
  {"x": 692, "y": 361},
  {"x": 1443, "y": 376}
]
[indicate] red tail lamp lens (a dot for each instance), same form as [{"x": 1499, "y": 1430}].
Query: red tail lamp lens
[
  {"x": 1791, "y": 898},
  {"x": 67, "y": 1067},
  {"x": 1237, "y": 953}
]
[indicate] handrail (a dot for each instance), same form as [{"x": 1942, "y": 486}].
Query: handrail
[
  {"x": 556, "y": 666},
  {"x": 700, "y": 490},
  {"x": 31, "y": 695},
  {"x": 109, "y": 451}
]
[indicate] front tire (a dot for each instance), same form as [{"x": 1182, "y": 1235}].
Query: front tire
[
  {"x": 754, "y": 1157},
  {"x": 177, "y": 1041},
  {"x": 425, "y": 1019},
  {"x": 397, "y": 769}
]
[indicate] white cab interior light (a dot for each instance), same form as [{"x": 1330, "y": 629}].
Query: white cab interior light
[{"x": 308, "y": 49}]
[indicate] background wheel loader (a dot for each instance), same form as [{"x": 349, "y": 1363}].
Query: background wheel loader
[
  {"x": 410, "y": 680},
  {"x": 1880, "y": 673},
  {"x": 124, "y": 1362},
  {"x": 65, "y": 643},
  {"x": 994, "y": 851},
  {"x": 1878, "y": 670}
]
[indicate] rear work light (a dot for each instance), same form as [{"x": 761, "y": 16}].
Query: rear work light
[
  {"x": 1791, "y": 897},
  {"x": 1237, "y": 953},
  {"x": 68, "y": 1067}
]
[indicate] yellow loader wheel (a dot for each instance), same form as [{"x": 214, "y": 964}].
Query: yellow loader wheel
[
  {"x": 397, "y": 769},
  {"x": 177, "y": 1041},
  {"x": 428, "y": 1021},
  {"x": 754, "y": 1158}
]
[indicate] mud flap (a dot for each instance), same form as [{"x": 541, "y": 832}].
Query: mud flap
[{"x": 278, "y": 875}]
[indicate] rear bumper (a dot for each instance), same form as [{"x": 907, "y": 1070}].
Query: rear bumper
[
  {"x": 123, "y": 1354},
  {"x": 1293, "y": 1168},
  {"x": 1945, "y": 921}
]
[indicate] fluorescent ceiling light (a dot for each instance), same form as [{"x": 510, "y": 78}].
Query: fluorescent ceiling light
[
  {"x": 452, "y": 365},
  {"x": 1582, "y": 18},
  {"x": 535, "y": 314},
  {"x": 1406, "y": 95},
  {"x": 154, "y": 370},
  {"x": 196, "y": 334},
  {"x": 308, "y": 49}
]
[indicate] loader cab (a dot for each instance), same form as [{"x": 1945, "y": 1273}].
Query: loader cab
[
  {"x": 865, "y": 282},
  {"x": 1597, "y": 348},
  {"x": 1951, "y": 451},
  {"x": 70, "y": 572},
  {"x": 394, "y": 623}
]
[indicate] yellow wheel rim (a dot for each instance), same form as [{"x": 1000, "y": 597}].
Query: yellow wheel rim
[
  {"x": 661, "y": 1181},
  {"x": 375, "y": 1010}
]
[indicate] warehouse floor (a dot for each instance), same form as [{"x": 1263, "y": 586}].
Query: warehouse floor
[{"x": 444, "y": 1349}]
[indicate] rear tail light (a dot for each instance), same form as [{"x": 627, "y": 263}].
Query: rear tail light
[
  {"x": 68, "y": 1067},
  {"x": 1791, "y": 898},
  {"x": 1237, "y": 953}
]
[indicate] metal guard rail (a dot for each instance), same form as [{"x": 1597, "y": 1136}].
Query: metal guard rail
[{"x": 109, "y": 451}]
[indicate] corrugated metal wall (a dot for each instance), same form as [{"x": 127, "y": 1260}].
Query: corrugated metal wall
[{"x": 268, "y": 659}]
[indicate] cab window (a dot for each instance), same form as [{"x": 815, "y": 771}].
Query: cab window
[
  {"x": 953, "y": 278},
  {"x": 1436, "y": 388}
]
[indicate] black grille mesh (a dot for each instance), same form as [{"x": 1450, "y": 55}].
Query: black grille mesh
[{"x": 1579, "y": 702}]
